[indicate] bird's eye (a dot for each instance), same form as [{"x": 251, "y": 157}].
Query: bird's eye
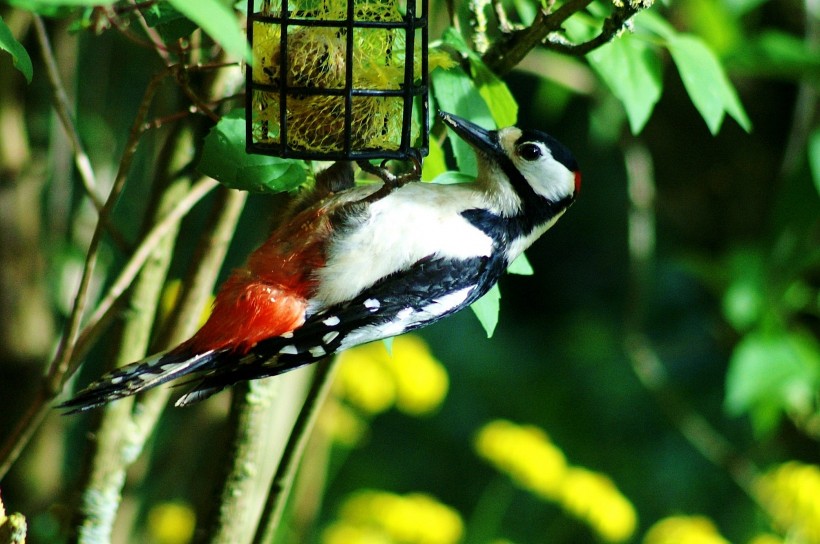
[{"x": 530, "y": 151}]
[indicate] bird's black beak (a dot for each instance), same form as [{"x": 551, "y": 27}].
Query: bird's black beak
[{"x": 482, "y": 139}]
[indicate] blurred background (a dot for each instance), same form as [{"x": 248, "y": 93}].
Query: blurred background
[{"x": 655, "y": 378}]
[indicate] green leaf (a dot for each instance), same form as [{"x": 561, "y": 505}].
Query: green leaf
[
  {"x": 18, "y": 53},
  {"x": 455, "y": 40},
  {"x": 814, "y": 158},
  {"x": 632, "y": 70},
  {"x": 452, "y": 177},
  {"x": 486, "y": 309},
  {"x": 521, "y": 266},
  {"x": 434, "y": 163},
  {"x": 39, "y": 5},
  {"x": 218, "y": 21},
  {"x": 224, "y": 158},
  {"x": 772, "y": 373},
  {"x": 744, "y": 301},
  {"x": 455, "y": 92},
  {"x": 169, "y": 22},
  {"x": 649, "y": 21},
  {"x": 706, "y": 82},
  {"x": 495, "y": 93}
]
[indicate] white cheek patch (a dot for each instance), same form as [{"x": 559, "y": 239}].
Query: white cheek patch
[{"x": 548, "y": 177}]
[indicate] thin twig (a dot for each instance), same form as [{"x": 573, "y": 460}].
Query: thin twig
[
  {"x": 613, "y": 25},
  {"x": 511, "y": 48},
  {"x": 159, "y": 44},
  {"x": 479, "y": 20},
  {"x": 282, "y": 482},
  {"x": 170, "y": 118},
  {"x": 143, "y": 251},
  {"x": 181, "y": 77},
  {"x": 60, "y": 364},
  {"x": 23, "y": 430},
  {"x": 197, "y": 288},
  {"x": 63, "y": 109}
]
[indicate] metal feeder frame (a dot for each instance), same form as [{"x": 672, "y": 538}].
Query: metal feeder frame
[{"x": 408, "y": 91}]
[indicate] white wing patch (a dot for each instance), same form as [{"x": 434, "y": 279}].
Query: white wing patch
[
  {"x": 412, "y": 223},
  {"x": 406, "y": 318}
]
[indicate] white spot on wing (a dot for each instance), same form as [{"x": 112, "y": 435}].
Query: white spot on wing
[
  {"x": 332, "y": 321},
  {"x": 290, "y": 349},
  {"x": 330, "y": 337},
  {"x": 317, "y": 351},
  {"x": 372, "y": 304}
]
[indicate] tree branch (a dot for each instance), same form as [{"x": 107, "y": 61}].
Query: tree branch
[
  {"x": 511, "y": 49},
  {"x": 282, "y": 483},
  {"x": 114, "y": 442}
]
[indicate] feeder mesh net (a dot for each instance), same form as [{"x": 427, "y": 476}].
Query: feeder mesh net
[{"x": 316, "y": 59}]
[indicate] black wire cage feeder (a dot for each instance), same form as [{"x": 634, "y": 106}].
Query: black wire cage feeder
[{"x": 338, "y": 79}]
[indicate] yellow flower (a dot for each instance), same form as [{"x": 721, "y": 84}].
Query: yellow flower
[
  {"x": 421, "y": 380},
  {"x": 364, "y": 381},
  {"x": 684, "y": 530},
  {"x": 766, "y": 539},
  {"x": 348, "y": 533},
  {"x": 372, "y": 379},
  {"x": 408, "y": 519},
  {"x": 533, "y": 462},
  {"x": 526, "y": 454},
  {"x": 791, "y": 495},
  {"x": 593, "y": 498},
  {"x": 342, "y": 424},
  {"x": 171, "y": 523}
]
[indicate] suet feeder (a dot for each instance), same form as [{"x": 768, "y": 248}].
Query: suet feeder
[{"x": 338, "y": 79}]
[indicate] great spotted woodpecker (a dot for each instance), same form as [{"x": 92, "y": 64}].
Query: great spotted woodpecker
[{"x": 355, "y": 266}]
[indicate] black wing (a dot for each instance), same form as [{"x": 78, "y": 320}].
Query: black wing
[{"x": 429, "y": 290}]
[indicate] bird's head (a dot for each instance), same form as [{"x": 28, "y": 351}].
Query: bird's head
[{"x": 526, "y": 170}]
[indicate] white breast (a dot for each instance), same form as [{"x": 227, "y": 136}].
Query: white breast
[{"x": 414, "y": 222}]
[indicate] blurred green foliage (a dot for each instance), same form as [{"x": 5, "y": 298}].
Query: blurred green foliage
[{"x": 721, "y": 287}]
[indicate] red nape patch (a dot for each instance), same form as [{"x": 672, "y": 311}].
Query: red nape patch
[{"x": 577, "y": 182}]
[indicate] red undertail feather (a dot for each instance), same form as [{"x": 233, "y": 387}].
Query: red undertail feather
[
  {"x": 268, "y": 297},
  {"x": 246, "y": 311}
]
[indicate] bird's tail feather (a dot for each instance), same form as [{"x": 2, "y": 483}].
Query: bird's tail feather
[
  {"x": 135, "y": 377},
  {"x": 220, "y": 377}
]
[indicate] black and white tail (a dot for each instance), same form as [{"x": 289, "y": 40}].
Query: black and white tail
[{"x": 140, "y": 376}]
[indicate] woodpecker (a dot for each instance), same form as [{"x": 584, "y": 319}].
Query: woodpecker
[{"x": 360, "y": 263}]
